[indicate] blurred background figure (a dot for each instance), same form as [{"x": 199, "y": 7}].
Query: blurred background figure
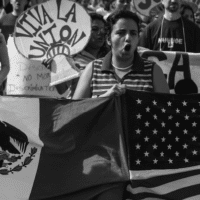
[
  {"x": 86, "y": 4},
  {"x": 187, "y": 11},
  {"x": 7, "y": 22},
  {"x": 96, "y": 47},
  {"x": 171, "y": 32},
  {"x": 122, "y": 5},
  {"x": 105, "y": 8},
  {"x": 118, "y": 5}
]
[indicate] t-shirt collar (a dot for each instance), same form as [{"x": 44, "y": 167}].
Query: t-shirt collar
[{"x": 138, "y": 64}]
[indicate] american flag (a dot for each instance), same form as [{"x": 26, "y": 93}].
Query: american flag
[{"x": 164, "y": 146}]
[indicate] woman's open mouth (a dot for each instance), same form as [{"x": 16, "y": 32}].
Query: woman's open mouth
[{"x": 127, "y": 47}]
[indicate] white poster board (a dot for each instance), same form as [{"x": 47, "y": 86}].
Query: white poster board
[{"x": 175, "y": 65}]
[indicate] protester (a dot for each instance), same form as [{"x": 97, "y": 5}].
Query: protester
[
  {"x": 187, "y": 12},
  {"x": 119, "y": 5},
  {"x": 7, "y": 22},
  {"x": 122, "y": 68},
  {"x": 4, "y": 60},
  {"x": 86, "y": 5},
  {"x": 171, "y": 32},
  {"x": 2, "y": 10},
  {"x": 105, "y": 8},
  {"x": 96, "y": 48},
  {"x": 122, "y": 4}
]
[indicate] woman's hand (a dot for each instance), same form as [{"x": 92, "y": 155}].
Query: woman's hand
[{"x": 117, "y": 89}]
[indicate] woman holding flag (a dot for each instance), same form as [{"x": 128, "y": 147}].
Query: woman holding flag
[{"x": 122, "y": 68}]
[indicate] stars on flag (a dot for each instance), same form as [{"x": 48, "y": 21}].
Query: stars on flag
[
  {"x": 147, "y": 109},
  {"x": 165, "y": 132},
  {"x": 139, "y": 101},
  {"x": 139, "y": 116}
]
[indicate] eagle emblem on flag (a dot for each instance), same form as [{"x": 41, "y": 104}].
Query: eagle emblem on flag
[{"x": 13, "y": 149}]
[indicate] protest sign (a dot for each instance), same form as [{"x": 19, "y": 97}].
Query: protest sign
[
  {"x": 63, "y": 69},
  {"x": 175, "y": 65},
  {"x": 145, "y": 7},
  {"x": 28, "y": 77},
  {"x": 53, "y": 28},
  {"x": 152, "y": 7}
]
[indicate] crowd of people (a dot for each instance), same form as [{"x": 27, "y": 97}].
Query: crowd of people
[
  {"x": 173, "y": 26},
  {"x": 110, "y": 63}
]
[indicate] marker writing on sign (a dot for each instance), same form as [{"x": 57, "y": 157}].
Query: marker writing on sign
[{"x": 66, "y": 35}]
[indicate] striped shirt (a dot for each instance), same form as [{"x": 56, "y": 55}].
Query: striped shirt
[{"x": 140, "y": 77}]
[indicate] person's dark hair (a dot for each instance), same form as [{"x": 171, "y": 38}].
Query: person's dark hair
[
  {"x": 186, "y": 7},
  {"x": 186, "y": 86},
  {"x": 95, "y": 16},
  {"x": 104, "y": 49},
  {"x": 119, "y": 14},
  {"x": 8, "y": 7}
]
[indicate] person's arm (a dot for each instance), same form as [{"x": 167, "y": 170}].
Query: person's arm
[
  {"x": 83, "y": 89},
  {"x": 159, "y": 80},
  {"x": 4, "y": 59}
]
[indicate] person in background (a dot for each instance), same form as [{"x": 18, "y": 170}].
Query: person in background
[
  {"x": 96, "y": 48},
  {"x": 172, "y": 32},
  {"x": 105, "y": 8},
  {"x": 187, "y": 12},
  {"x": 94, "y": 4},
  {"x": 122, "y": 68},
  {"x": 7, "y": 22},
  {"x": 122, "y": 5},
  {"x": 86, "y": 5},
  {"x": 5, "y": 65}
]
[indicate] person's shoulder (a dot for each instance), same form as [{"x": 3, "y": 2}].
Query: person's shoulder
[
  {"x": 154, "y": 25},
  {"x": 189, "y": 23}
]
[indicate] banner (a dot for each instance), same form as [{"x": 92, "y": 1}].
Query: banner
[
  {"x": 60, "y": 149},
  {"x": 64, "y": 149},
  {"x": 175, "y": 65}
]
